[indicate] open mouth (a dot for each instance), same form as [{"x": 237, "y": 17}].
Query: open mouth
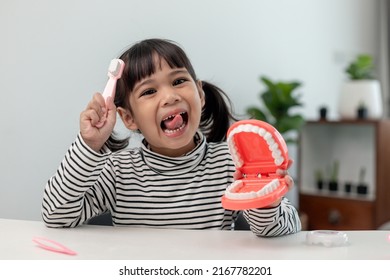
[
  {"x": 174, "y": 123},
  {"x": 258, "y": 150}
]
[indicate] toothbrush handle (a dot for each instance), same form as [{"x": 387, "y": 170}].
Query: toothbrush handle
[{"x": 109, "y": 90}]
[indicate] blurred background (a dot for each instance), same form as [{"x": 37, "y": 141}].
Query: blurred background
[{"x": 54, "y": 56}]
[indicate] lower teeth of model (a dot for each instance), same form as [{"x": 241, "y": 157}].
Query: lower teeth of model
[{"x": 267, "y": 189}]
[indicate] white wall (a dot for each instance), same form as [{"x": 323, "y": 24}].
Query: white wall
[{"x": 54, "y": 56}]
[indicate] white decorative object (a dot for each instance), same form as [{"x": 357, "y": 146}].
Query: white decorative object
[{"x": 355, "y": 93}]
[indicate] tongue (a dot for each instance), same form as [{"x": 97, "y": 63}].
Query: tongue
[{"x": 174, "y": 123}]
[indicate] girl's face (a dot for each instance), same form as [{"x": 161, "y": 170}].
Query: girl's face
[{"x": 166, "y": 108}]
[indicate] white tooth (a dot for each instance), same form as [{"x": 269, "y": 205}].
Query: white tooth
[
  {"x": 262, "y": 131},
  {"x": 247, "y": 195},
  {"x": 240, "y": 128},
  {"x": 237, "y": 184},
  {"x": 236, "y": 160},
  {"x": 236, "y": 155},
  {"x": 230, "y": 145},
  {"x": 255, "y": 129},
  {"x": 232, "y": 133},
  {"x": 267, "y": 136},
  {"x": 278, "y": 161},
  {"x": 234, "y": 195},
  {"x": 228, "y": 195},
  {"x": 273, "y": 147},
  {"x": 260, "y": 193},
  {"x": 270, "y": 141},
  {"x": 248, "y": 128},
  {"x": 276, "y": 153}
]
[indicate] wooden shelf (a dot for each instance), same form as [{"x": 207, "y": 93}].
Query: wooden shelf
[{"x": 354, "y": 144}]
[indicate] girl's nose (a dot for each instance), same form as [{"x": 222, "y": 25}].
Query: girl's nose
[{"x": 170, "y": 97}]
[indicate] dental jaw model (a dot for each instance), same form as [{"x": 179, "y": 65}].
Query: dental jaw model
[{"x": 258, "y": 151}]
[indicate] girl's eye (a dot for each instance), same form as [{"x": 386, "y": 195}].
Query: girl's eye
[
  {"x": 179, "y": 81},
  {"x": 148, "y": 92}
]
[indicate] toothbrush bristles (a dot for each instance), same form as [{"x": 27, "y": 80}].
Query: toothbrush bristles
[{"x": 115, "y": 67}]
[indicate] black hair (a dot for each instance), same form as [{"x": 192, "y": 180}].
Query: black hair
[{"x": 140, "y": 63}]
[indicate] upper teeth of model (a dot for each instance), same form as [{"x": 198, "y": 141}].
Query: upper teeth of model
[
  {"x": 272, "y": 144},
  {"x": 231, "y": 191}
]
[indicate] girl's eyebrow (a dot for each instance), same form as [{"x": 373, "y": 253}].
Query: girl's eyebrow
[
  {"x": 178, "y": 71},
  {"x": 144, "y": 82},
  {"x": 172, "y": 73}
]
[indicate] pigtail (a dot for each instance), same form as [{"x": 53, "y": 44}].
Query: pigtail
[{"x": 216, "y": 114}]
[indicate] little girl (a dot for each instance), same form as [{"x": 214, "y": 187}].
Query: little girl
[{"x": 177, "y": 177}]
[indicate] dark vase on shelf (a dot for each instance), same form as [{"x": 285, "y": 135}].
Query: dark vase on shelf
[
  {"x": 348, "y": 187},
  {"x": 362, "y": 189},
  {"x": 320, "y": 184},
  {"x": 362, "y": 113},
  {"x": 323, "y": 113},
  {"x": 333, "y": 186}
]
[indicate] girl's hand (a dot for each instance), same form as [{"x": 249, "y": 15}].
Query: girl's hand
[
  {"x": 288, "y": 178},
  {"x": 97, "y": 121}
]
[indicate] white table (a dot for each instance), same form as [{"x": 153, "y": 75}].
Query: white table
[{"x": 127, "y": 243}]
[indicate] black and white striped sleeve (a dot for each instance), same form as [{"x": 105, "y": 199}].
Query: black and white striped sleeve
[
  {"x": 69, "y": 198},
  {"x": 276, "y": 221}
]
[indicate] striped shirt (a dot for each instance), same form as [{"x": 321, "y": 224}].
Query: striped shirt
[{"x": 145, "y": 189}]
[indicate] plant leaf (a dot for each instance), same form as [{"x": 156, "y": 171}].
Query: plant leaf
[
  {"x": 361, "y": 68},
  {"x": 287, "y": 123},
  {"x": 278, "y": 98},
  {"x": 257, "y": 114}
]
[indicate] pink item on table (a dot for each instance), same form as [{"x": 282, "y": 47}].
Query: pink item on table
[{"x": 53, "y": 246}]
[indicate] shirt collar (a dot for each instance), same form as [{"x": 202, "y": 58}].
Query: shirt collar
[{"x": 175, "y": 165}]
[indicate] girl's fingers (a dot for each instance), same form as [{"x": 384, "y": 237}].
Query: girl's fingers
[
  {"x": 237, "y": 175},
  {"x": 97, "y": 121},
  {"x": 111, "y": 110},
  {"x": 289, "y": 181},
  {"x": 284, "y": 172},
  {"x": 98, "y": 104}
]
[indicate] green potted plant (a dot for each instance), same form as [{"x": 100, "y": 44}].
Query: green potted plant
[
  {"x": 362, "y": 68},
  {"x": 361, "y": 88},
  {"x": 278, "y": 100}
]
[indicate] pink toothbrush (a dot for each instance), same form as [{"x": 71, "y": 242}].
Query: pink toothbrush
[{"x": 115, "y": 71}]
